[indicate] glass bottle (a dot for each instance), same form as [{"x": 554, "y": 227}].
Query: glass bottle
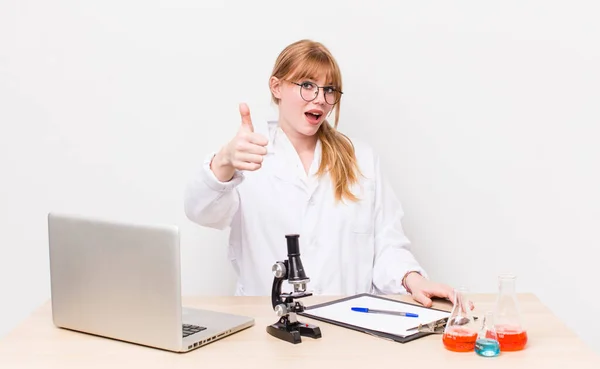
[
  {"x": 487, "y": 340},
  {"x": 512, "y": 336},
  {"x": 460, "y": 332}
]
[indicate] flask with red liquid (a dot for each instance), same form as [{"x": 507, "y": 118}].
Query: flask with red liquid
[
  {"x": 512, "y": 336},
  {"x": 460, "y": 333}
]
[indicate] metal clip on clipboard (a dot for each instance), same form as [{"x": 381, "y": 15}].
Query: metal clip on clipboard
[{"x": 437, "y": 326}]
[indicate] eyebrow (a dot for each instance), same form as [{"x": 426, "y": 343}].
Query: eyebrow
[{"x": 327, "y": 84}]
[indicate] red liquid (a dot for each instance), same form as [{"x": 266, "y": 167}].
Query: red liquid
[
  {"x": 459, "y": 339},
  {"x": 511, "y": 338}
]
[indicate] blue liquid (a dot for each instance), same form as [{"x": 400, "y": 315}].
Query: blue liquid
[{"x": 486, "y": 347}]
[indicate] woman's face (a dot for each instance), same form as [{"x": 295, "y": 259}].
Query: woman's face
[{"x": 295, "y": 112}]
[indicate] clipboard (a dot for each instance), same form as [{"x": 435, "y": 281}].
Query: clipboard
[{"x": 385, "y": 326}]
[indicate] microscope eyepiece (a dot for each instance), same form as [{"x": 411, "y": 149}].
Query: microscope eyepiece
[
  {"x": 292, "y": 245},
  {"x": 296, "y": 273}
]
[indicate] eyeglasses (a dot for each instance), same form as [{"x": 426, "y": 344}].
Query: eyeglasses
[{"x": 309, "y": 91}]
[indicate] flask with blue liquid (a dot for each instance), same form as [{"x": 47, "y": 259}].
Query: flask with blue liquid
[{"x": 487, "y": 339}]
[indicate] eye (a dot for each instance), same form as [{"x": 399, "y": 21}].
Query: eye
[
  {"x": 329, "y": 89},
  {"x": 308, "y": 85}
]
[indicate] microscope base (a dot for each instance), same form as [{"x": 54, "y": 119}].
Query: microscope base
[{"x": 292, "y": 332}]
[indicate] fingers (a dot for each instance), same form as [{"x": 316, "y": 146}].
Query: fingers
[
  {"x": 451, "y": 297},
  {"x": 245, "y": 147},
  {"x": 245, "y": 157},
  {"x": 251, "y": 143},
  {"x": 423, "y": 293},
  {"x": 258, "y": 139},
  {"x": 246, "y": 119},
  {"x": 421, "y": 298},
  {"x": 247, "y": 161},
  {"x": 247, "y": 166},
  {"x": 441, "y": 291},
  {"x": 446, "y": 292}
]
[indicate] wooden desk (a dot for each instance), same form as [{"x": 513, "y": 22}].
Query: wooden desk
[{"x": 36, "y": 343}]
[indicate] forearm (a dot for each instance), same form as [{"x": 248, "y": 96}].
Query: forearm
[{"x": 210, "y": 202}]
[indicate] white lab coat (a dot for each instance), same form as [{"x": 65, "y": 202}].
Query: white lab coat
[{"x": 346, "y": 248}]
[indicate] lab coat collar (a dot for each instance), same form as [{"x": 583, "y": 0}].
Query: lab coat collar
[{"x": 288, "y": 166}]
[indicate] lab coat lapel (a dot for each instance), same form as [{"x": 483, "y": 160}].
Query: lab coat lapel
[
  {"x": 285, "y": 166},
  {"x": 312, "y": 182},
  {"x": 286, "y": 163},
  {"x": 280, "y": 168}
]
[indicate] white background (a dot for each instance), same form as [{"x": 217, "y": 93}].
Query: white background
[{"x": 486, "y": 116}]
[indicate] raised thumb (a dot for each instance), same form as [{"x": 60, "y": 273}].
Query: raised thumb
[{"x": 246, "y": 119}]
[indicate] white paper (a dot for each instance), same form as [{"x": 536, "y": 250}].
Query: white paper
[{"x": 393, "y": 324}]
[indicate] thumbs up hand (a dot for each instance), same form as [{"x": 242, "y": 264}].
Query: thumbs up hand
[
  {"x": 244, "y": 152},
  {"x": 247, "y": 149}
]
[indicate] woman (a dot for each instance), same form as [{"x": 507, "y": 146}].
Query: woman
[{"x": 300, "y": 175}]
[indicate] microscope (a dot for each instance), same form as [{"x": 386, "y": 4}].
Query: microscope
[{"x": 288, "y": 328}]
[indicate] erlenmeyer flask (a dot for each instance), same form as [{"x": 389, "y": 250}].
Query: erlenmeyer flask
[
  {"x": 511, "y": 333},
  {"x": 487, "y": 340},
  {"x": 460, "y": 333}
]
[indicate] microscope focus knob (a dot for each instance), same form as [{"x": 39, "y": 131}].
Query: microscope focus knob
[
  {"x": 281, "y": 310},
  {"x": 278, "y": 269}
]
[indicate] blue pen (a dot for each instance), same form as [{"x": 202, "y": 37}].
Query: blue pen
[{"x": 401, "y": 313}]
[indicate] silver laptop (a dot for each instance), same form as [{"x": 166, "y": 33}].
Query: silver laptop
[{"x": 122, "y": 281}]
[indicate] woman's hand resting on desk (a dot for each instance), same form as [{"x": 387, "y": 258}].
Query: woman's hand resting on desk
[{"x": 423, "y": 290}]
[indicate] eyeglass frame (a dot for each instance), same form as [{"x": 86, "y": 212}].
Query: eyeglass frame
[{"x": 319, "y": 88}]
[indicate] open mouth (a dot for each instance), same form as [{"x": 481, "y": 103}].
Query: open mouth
[{"x": 313, "y": 116}]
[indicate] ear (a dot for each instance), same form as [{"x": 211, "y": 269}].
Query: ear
[{"x": 275, "y": 85}]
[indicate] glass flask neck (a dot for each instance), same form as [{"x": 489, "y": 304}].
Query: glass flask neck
[
  {"x": 506, "y": 284},
  {"x": 488, "y": 319}
]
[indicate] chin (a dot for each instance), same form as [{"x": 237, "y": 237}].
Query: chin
[{"x": 310, "y": 130}]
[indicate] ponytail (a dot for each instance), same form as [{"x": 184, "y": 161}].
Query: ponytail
[{"x": 339, "y": 160}]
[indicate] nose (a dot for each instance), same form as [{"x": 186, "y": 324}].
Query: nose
[{"x": 320, "y": 99}]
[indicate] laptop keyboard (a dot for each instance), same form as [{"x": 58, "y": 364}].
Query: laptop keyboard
[{"x": 189, "y": 329}]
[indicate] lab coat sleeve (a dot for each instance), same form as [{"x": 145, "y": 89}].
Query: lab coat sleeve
[
  {"x": 393, "y": 257},
  {"x": 210, "y": 202}
]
